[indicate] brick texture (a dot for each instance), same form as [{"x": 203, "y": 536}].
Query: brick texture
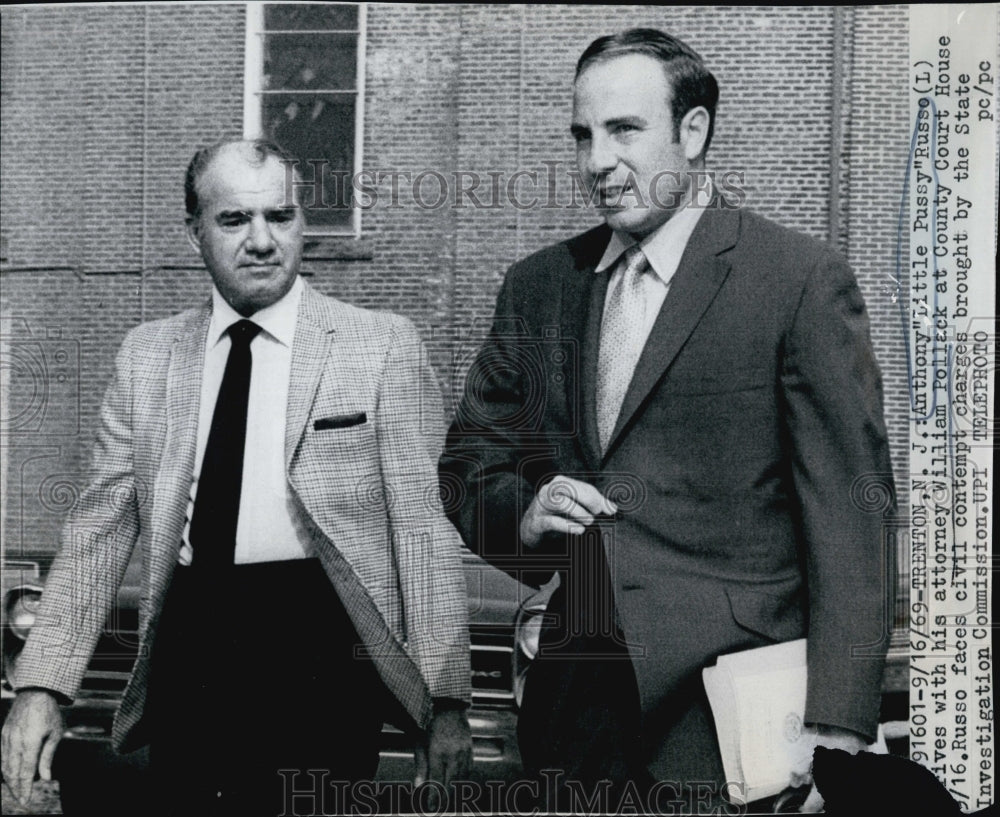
[{"x": 102, "y": 107}]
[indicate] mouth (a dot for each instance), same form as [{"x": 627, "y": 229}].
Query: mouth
[
  {"x": 260, "y": 266},
  {"x": 610, "y": 197}
]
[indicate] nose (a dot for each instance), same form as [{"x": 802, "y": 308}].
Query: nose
[
  {"x": 259, "y": 239},
  {"x": 601, "y": 157}
]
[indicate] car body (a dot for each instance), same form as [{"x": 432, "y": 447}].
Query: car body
[
  {"x": 93, "y": 778},
  {"x": 506, "y": 619}
]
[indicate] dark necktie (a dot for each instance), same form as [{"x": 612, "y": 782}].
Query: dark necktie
[{"x": 217, "y": 503}]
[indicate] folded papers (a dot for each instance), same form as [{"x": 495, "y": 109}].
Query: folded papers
[{"x": 758, "y": 699}]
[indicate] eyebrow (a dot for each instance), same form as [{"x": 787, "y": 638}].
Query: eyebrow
[
  {"x": 577, "y": 129},
  {"x": 289, "y": 210},
  {"x": 625, "y": 120}
]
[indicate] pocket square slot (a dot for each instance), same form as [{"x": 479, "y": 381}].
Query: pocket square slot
[{"x": 340, "y": 421}]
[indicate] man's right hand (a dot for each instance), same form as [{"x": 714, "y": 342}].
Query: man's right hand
[
  {"x": 563, "y": 505},
  {"x": 30, "y": 734}
]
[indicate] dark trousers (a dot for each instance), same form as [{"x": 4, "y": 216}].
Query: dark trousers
[
  {"x": 581, "y": 731},
  {"x": 258, "y": 701},
  {"x": 579, "y": 725},
  {"x": 578, "y": 728}
]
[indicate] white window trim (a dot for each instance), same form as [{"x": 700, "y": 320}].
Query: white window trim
[{"x": 253, "y": 78}]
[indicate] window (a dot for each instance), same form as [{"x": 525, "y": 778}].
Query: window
[{"x": 304, "y": 90}]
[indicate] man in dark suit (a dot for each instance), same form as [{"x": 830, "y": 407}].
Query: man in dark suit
[
  {"x": 269, "y": 452},
  {"x": 675, "y": 411}
]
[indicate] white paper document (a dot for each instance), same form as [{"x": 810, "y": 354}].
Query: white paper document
[{"x": 758, "y": 699}]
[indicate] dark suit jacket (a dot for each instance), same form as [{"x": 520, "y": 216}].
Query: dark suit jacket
[{"x": 743, "y": 461}]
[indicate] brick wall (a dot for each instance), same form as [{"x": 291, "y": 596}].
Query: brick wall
[
  {"x": 102, "y": 107},
  {"x": 875, "y": 150}
]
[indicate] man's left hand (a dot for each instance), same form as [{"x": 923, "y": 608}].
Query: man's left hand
[
  {"x": 832, "y": 737},
  {"x": 445, "y": 754}
]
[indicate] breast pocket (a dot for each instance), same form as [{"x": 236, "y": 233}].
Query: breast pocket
[
  {"x": 341, "y": 445},
  {"x": 337, "y": 468},
  {"x": 356, "y": 418}
]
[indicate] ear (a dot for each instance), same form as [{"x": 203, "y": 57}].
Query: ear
[
  {"x": 694, "y": 132},
  {"x": 192, "y": 225}
]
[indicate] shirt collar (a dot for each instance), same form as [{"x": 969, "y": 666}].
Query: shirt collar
[
  {"x": 278, "y": 319},
  {"x": 663, "y": 247}
]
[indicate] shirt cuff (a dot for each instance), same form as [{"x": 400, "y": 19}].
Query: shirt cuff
[{"x": 61, "y": 699}]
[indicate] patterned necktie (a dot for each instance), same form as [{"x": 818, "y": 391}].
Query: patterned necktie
[
  {"x": 622, "y": 332},
  {"x": 217, "y": 502}
]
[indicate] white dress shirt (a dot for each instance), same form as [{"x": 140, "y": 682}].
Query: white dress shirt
[
  {"x": 266, "y": 530},
  {"x": 663, "y": 248}
]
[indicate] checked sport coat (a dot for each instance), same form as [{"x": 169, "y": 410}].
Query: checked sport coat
[{"x": 363, "y": 434}]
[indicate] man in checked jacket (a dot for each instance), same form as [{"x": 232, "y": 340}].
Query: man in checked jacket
[{"x": 272, "y": 453}]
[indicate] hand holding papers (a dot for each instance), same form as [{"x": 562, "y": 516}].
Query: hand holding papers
[{"x": 758, "y": 699}]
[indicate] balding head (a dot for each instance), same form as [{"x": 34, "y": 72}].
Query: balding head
[
  {"x": 254, "y": 151},
  {"x": 245, "y": 223}
]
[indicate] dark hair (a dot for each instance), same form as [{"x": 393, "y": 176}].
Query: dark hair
[
  {"x": 258, "y": 151},
  {"x": 691, "y": 83}
]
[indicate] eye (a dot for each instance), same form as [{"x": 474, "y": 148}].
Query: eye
[
  {"x": 232, "y": 220},
  {"x": 580, "y": 134},
  {"x": 626, "y": 127},
  {"x": 285, "y": 216}
]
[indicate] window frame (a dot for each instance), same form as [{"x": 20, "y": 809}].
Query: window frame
[{"x": 253, "y": 93}]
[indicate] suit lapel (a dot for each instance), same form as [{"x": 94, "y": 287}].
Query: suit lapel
[
  {"x": 582, "y": 304},
  {"x": 310, "y": 350},
  {"x": 693, "y": 288},
  {"x": 173, "y": 480},
  {"x": 590, "y": 349}
]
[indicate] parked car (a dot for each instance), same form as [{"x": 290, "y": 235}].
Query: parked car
[
  {"x": 506, "y": 620},
  {"x": 94, "y": 779}
]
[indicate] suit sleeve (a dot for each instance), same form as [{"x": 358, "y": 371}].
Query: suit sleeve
[
  {"x": 494, "y": 457},
  {"x": 427, "y": 549},
  {"x": 97, "y": 542},
  {"x": 843, "y": 482}
]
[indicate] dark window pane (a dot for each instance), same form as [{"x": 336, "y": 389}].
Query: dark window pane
[
  {"x": 307, "y": 61},
  {"x": 317, "y": 129},
  {"x": 310, "y": 17}
]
